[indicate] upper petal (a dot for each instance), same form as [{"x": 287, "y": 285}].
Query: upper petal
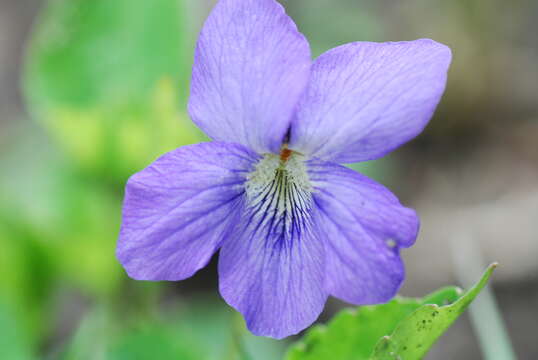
[
  {"x": 272, "y": 268},
  {"x": 364, "y": 226},
  {"x": 365, "y": 99},
  {"x": 176, "y": 211},
  {"x": 250, "y": 67}
]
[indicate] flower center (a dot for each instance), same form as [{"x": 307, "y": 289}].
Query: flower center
[{"x": 279, "y": 189}]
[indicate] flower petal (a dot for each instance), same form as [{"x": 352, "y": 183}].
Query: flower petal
[
  {"x": 364, "y": 226},
  {"x": 250, "y": 67},
  {"x": 273, "y": 273},
  {"x": 365, "y": 99},
  {"x": 176, "y": 211}
]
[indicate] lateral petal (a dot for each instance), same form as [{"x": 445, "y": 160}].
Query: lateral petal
[
  {"x": 364, "y": 225},
  {"x": 176, "y": 211}
]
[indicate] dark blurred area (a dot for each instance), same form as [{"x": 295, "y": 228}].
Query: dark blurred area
[{"x": 472, "y": 175}]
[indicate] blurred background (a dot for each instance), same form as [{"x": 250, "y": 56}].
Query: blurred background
[{"x": 93, "y": 91}]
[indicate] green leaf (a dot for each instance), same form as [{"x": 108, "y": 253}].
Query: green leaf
[
  {"x": 353, "y": 334},
  {"x": 107, "y": 79},
  {"x": 414, "y": 336}
]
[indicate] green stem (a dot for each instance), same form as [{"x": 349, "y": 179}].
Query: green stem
[{"x": 237, "y": 347}]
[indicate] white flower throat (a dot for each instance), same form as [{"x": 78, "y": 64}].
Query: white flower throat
[{"x": 280, "y": 186}]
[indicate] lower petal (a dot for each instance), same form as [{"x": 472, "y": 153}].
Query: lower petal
[
  {"x": 176, "y": 211},
  {"x": 273, "y": 273},
  {"x": 364, "y": 225}
]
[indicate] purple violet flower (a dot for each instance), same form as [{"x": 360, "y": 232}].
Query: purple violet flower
[{"x": 292, "y": 225}]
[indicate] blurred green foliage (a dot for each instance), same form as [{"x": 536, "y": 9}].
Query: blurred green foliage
[
  {"x": 26, "y": 270},
  {"x": 107, "y": 79},
  {"x": 98, "y": 337},
  {"x": 202, "y": 331},
  {"x": 14, "y": 344}
]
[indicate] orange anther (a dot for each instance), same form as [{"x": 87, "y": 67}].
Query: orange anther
[{"x": 285, "y": 154}]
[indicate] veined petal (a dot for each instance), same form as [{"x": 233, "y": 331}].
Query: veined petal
[
  {"x": 250, "y": 67},
  {"x": 272, "y": 268},
  {"x": 365, "y": 99},
  {"x": 364, "y": 226},
  {"x": 176, "y": 212}
]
